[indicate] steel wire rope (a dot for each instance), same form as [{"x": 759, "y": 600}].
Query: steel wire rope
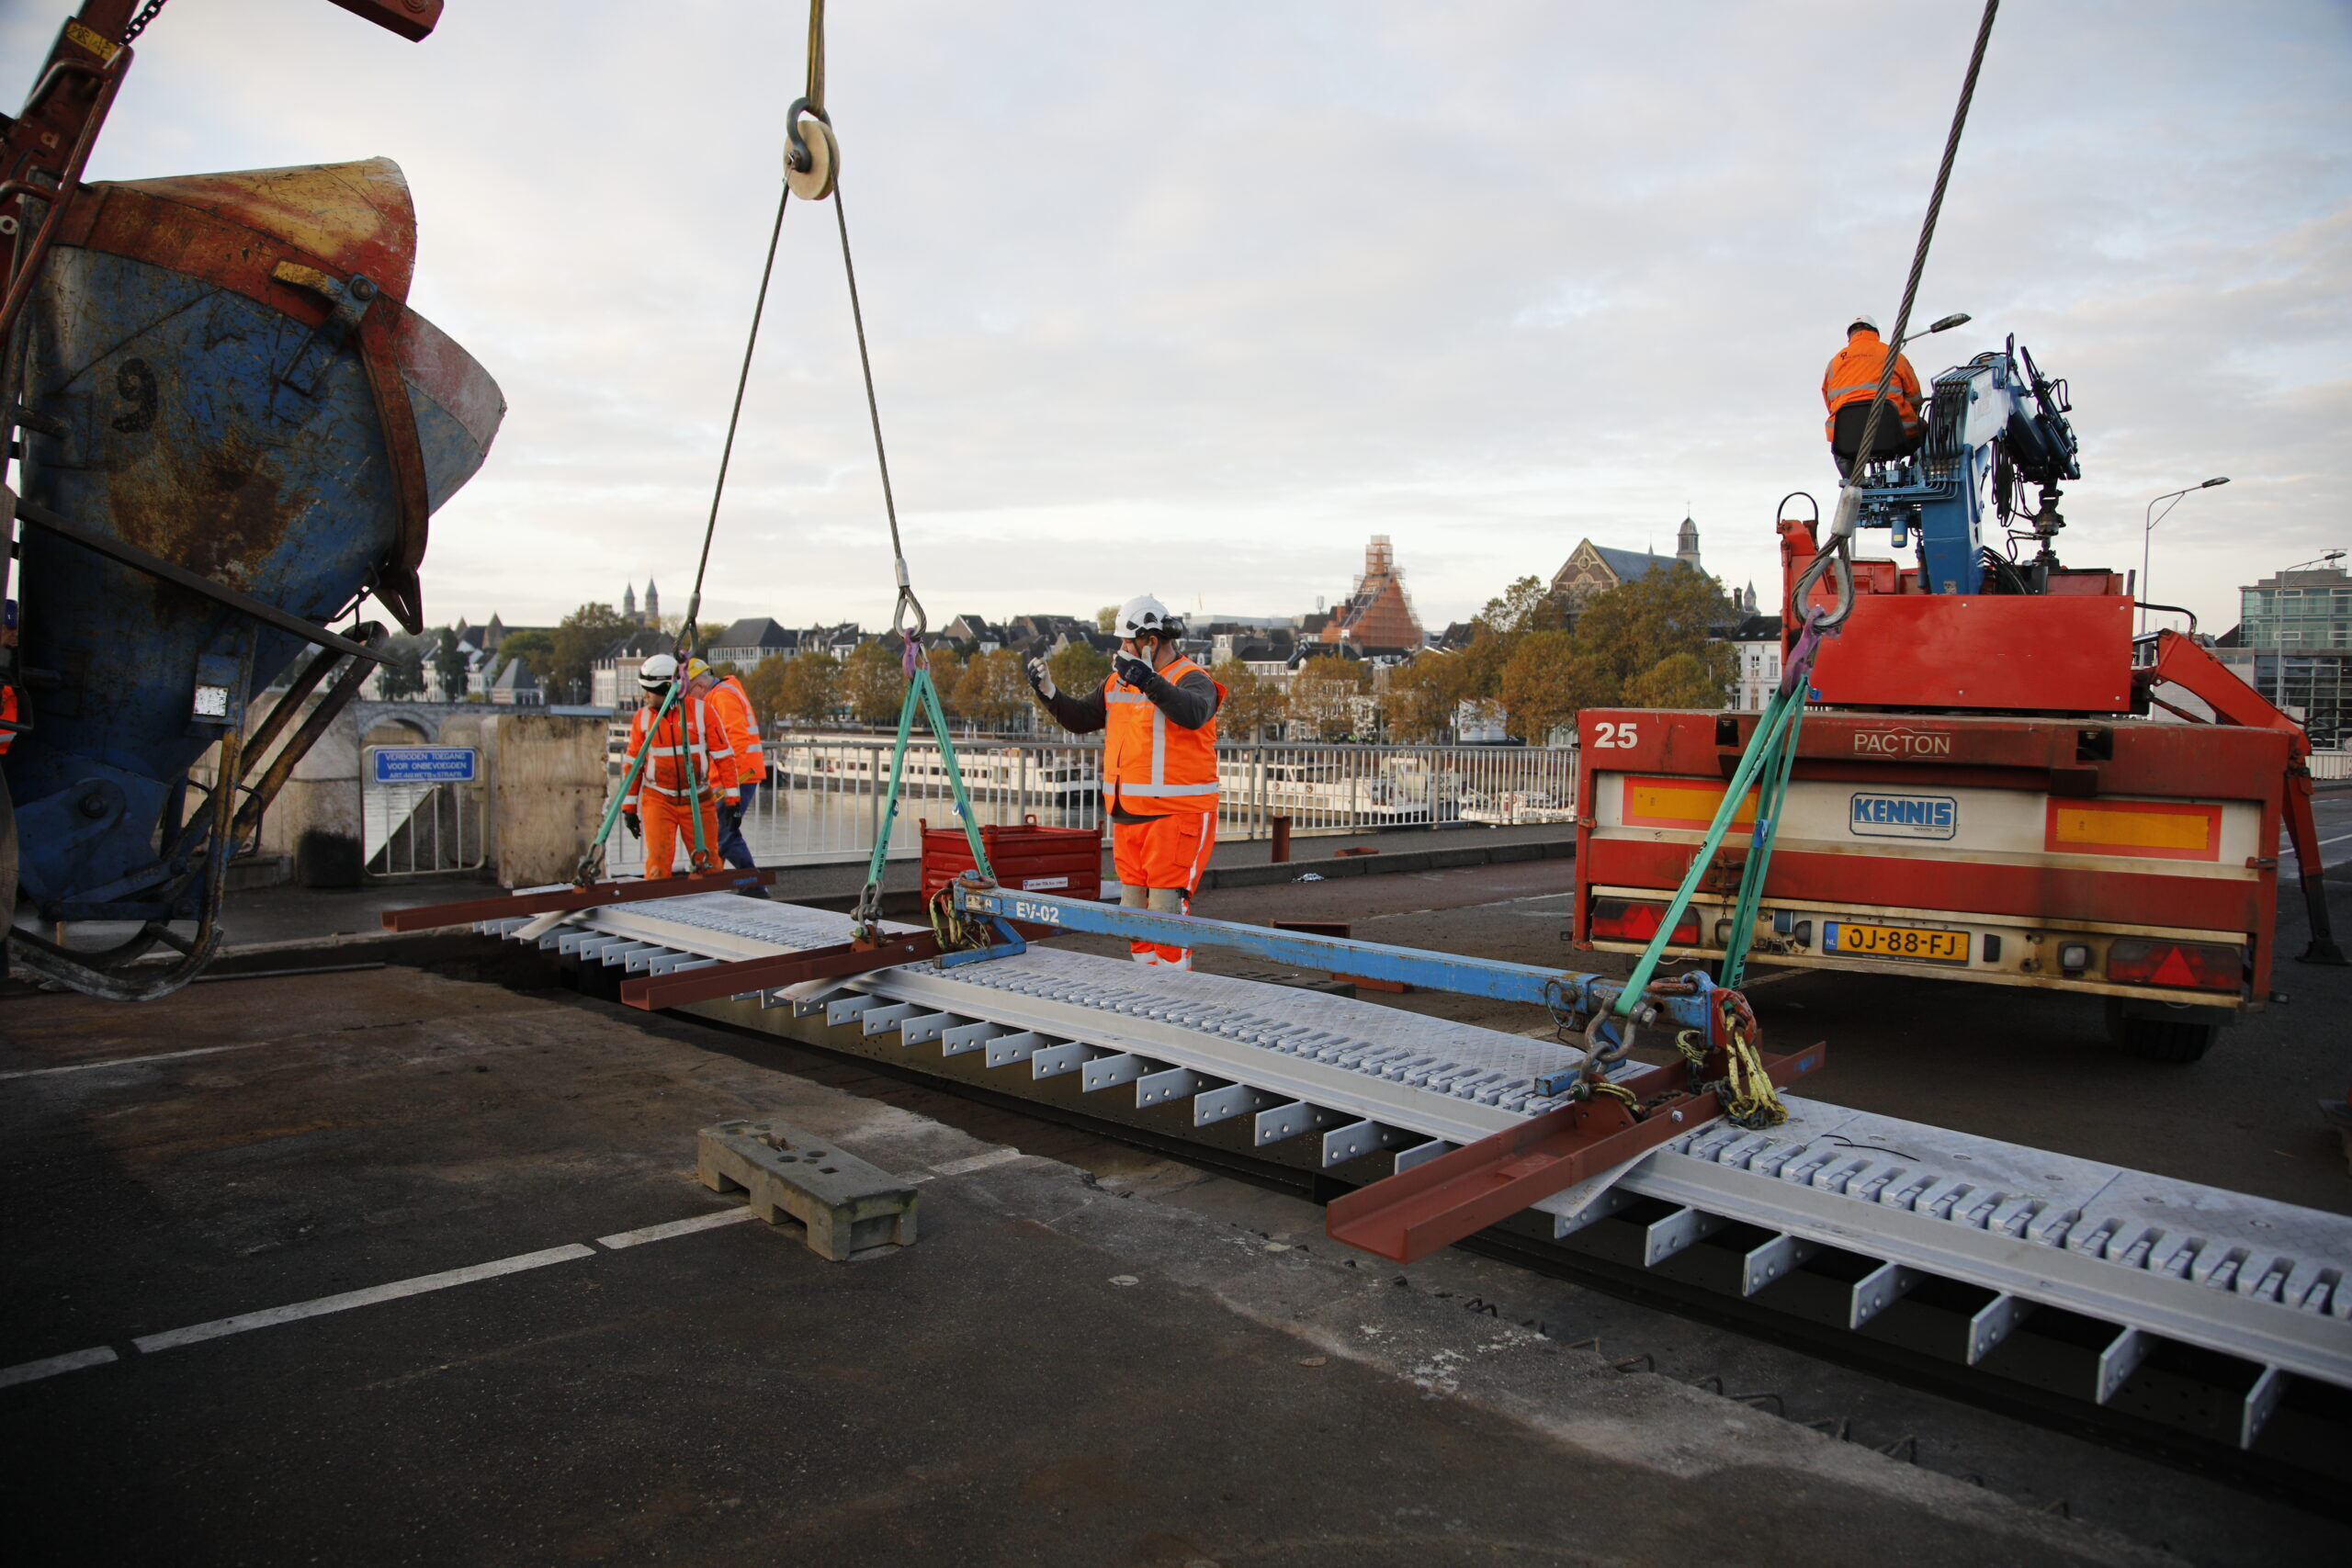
[
  {"x": 911, "y": 641},
  {"x": 734, "y": 420},
  {"x": 1771, "y": 749},
  {"x": 1835, "y": 550}
]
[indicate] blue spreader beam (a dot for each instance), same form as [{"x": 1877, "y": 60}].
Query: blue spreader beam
[{"x": 1584, "y": 995}]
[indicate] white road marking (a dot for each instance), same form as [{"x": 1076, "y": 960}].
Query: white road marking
[
  {"x": 134, "y": 1061},
  {"x": 48, "y": 1366},
  {"x": 674, "y": 1227},
  {"x": 271, "y": 1317}
]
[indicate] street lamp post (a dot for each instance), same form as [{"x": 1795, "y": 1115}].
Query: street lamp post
[{"x": 2147, "y": 532}]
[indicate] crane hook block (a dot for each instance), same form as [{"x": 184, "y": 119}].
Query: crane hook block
[{"x": 811, "y": 157}]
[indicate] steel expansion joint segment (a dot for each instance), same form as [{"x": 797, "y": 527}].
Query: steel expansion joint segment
[{"x": 2261, "y": 1281}]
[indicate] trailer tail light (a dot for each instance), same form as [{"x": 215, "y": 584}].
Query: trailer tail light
[
  {"x": 1622, "y": 919},
  {"x": 2190, "y": 965}
]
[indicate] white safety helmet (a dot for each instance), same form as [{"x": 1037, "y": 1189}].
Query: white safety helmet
[
  {"x": 657, "y": 671},
  {"x": 1862, "y": 319},
  {"x": 1144, "y": 616}
]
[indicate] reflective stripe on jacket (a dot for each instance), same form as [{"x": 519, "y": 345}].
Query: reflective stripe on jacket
[
  {"x": 1152, "y": 766},
  {"x": 688, "y": 726},
  {"x": 1852, "y": 378},
  {"x": 731, "y": 705}
]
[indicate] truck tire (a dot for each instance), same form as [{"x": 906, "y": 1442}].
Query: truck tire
[{"x": 2159, "y": 1039}]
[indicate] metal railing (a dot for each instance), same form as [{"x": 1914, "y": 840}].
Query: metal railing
[
  {"x": 2331, "y": 764},
  {"x": 422, "y": 829},
  {"x": 823, "y": 801}
]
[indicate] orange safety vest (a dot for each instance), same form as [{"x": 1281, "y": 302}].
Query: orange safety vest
[
  {"x": 1852, "y": 378},
  {"x": 731, "y": 704},
  {"x": 689, "y": 727},
  {"x": 1152, "y": 766},
  {"x": 8, "y": 712}
]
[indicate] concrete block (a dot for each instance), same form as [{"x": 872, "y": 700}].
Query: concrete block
[{"x": 846, "y": 1204}]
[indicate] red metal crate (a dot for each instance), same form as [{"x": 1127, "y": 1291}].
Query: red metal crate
[{"x": 1063, "y": 861}]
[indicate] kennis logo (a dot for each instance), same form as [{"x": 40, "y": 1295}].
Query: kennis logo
[
  {"x": 1902, "y": 743},
  {"x": 1904, "y": 816}
]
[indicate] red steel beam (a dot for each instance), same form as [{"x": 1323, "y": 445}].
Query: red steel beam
[
  {"x": 594, "y": 896},
  {"x": 1411, "y": 1214},
  {"x": 653, "y": 992}
]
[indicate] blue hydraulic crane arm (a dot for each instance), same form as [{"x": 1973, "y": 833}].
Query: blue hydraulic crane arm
[
  {"x": 1588, "y": 996},
  {"x": 1993, "y": 424}
]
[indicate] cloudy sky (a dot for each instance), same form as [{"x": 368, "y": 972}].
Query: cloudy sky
[{"x": 1191, "y": 298}]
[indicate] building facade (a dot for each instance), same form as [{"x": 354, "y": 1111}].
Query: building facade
[
  {"x": 2294, "y": 646},
  {"x": 1755, "y": 641},
  {"x": 1593, "y": 569}
]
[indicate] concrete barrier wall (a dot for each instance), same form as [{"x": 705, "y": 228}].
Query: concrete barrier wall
[{"x": 543, "y": 775}]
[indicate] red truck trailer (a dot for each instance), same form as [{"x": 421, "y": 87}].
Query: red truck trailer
[{"x": 2083, "y": 848}]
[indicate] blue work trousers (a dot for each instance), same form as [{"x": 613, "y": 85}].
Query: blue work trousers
[{"x": 731, "y": 830}]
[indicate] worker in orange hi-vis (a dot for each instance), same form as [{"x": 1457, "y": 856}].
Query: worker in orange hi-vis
[
  {"x": 689, "y": 773},
  {"x": 1157, "y": 712},
  {"x": 1851, "y": 384},
  {"x": 731, "y": 705}
]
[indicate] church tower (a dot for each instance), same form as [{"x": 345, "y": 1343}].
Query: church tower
[
  {"x": 629, "y": 603},
  {"x": 1686, "y": 544},
  {"x": 653, "y": 601}
]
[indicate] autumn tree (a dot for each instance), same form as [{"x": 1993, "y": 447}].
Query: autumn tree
[
  {"x": 1681, "y": 681},
  {"x": 1633, "y": 629},
  {"x": 994, "y": 691},
  {"x": 946, "y": 668},
  {"x": 1078, "y": 668},
  {"x": 1106, "y": 619},
  {"x": 1526, "y": 605},
  {"x": 872, "y": 684},
  {"x": 1540, "y": 686},
  {"x": 535, "y": 648},
  {"x": 1422, "y": 696},
  {"x": 1252, "y": 704},
  {"x": 767, "y": 684},
  {"x": 810, "y": 686},
  {"x": 579, "y": 641},
  {"x": 1323, "y": 697},
  {"x": 1519, "y": 611}
]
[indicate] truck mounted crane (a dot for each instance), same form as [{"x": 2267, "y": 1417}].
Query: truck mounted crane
[{"x": 1983, "y": 790}]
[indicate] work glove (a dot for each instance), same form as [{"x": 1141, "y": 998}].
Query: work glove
[
  {"x": 636, "y": 829},
  {"x": 1133, "y": 670},
  {"x": 734, "y": 801},
  {"x": 1041, "y": 679}
]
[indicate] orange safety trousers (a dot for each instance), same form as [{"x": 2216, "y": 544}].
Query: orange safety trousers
[
  {"x": 1164, "y": 851},
  {"x": 668, "y": 828}
]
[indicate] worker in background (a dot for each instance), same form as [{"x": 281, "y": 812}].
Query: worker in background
[
  {"x": 731, "y": 705},
  {"x": 1157, "y": 712},
  {"x": 1848, "y": 388},
  {"x": 689, "y": 773}
]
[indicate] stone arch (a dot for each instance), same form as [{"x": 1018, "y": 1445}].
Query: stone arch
[{"x": 390, "y": 731}]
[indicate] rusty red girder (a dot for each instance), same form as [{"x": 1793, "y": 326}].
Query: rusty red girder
[
  {"x": 594, "y": 896},
  {"x": 1411, "y": 1214},
  {"x": 654, "y": 992}
]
